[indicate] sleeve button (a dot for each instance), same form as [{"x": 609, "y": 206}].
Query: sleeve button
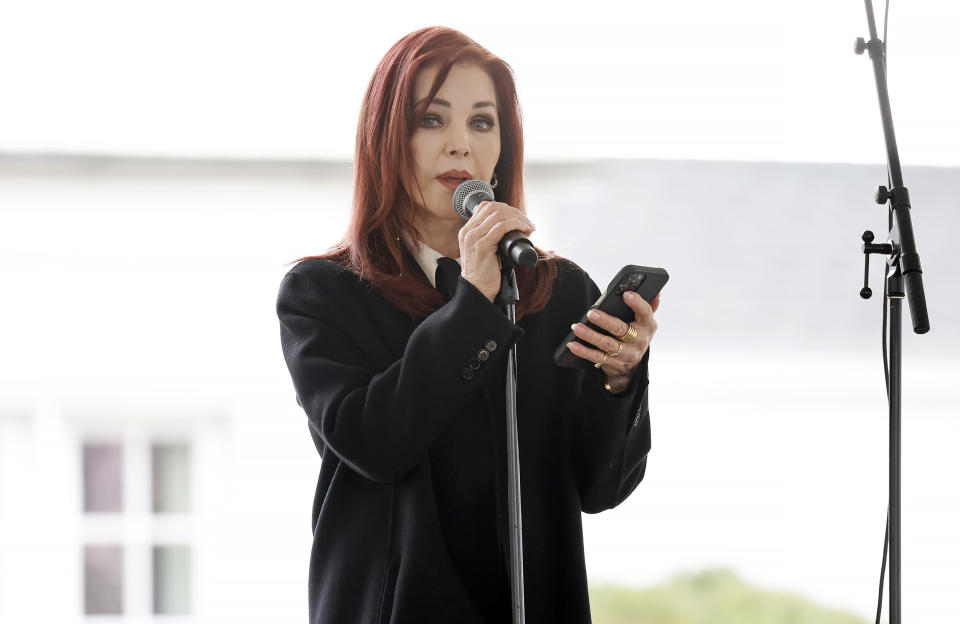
[
  {"x": 474, "y": 363},
  {"x": 467, "y": 373},
  {"x": 483, "y": 354},
  {"x": 491, "y": 345}
]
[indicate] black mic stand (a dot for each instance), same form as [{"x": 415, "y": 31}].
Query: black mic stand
[
  {"x": 508, "y": 297},
  {"x": 514, "y": 250},
  {"x": 903, "y": 270}
]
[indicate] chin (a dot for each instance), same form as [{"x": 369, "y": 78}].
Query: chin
[{"x": 441, "y": 205}]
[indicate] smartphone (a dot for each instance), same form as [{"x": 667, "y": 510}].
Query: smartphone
[{"x": 645, "y": 281}]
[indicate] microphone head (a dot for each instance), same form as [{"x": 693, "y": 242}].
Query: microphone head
[{"x": 469, "y": 194}]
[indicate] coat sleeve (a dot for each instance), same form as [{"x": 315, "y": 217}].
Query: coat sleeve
[
  {"x": 612, "y": 433},
  {"x": 381, "y": 422}
]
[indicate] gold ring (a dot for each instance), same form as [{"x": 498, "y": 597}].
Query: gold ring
[
  {"x": 619, "y": 351},
  {"x": 597, "y": 365},
  {"x": 630, "y": 336}
]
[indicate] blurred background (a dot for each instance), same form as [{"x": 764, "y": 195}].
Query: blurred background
[{"x": 161, "y": 163}]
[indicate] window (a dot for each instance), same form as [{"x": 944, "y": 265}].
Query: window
[
  {"x": 102, "y": 579},
  {"x": 103, "y": 560},
  {"x": 103, "y": 477},
  {"x": 137, "y": 554},
  {"x": 171, "y": 579},
  {"x": 170, "y": 476},
  {"x": 170, "y": 494}
]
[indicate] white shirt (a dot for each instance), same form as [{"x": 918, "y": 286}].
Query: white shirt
[{"x": 427, "y": 258}]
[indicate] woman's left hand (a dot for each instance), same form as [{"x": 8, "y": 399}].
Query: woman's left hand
[{"x": 617, "y": 368}]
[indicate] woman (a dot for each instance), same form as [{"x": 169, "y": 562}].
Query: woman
[{"x": 403, "y": 385}]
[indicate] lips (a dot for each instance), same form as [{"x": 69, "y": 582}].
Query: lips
[
  {"x": 451, "y": 183},
  {"x": 456, "y": 173},
  {"x": 453, "y": 178}
]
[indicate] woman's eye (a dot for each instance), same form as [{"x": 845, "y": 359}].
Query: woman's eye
[
  {"x": 480, "y": 123},
  {"x": 484, "y": 123}
]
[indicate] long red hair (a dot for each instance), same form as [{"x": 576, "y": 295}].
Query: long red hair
[{"x": 384, "y": 169}]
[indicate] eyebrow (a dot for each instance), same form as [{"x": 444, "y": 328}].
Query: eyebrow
[{"x": 447, "y": 104}]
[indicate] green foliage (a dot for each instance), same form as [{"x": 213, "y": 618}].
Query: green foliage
[{"x": 708, "y": 597}]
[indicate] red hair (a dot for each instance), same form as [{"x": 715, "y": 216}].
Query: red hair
[{"x": 384, "y": 169}]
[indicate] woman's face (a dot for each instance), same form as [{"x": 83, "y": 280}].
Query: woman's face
[{"x": 458, "y": 137}]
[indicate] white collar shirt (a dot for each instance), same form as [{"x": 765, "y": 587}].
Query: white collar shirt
[{"x": 427, "y": 259}]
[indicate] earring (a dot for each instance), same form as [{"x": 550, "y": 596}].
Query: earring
[{"x": 495, "y": 181}]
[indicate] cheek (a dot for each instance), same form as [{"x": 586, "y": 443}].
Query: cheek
[
  {"x": 419, "y": 148},
  {"x": 493, "y": 151}
]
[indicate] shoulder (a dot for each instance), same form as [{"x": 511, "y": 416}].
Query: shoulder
[
  {"x": 573, "y": 281},
  {"x": 317, "y": 280},
  {"x": 572, "y": 292},
  {"x": 324, "y": 273},
  {"x": 567, "y": 269}
]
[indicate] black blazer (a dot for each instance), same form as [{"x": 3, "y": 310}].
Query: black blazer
[{"x": 380, "y": 391}]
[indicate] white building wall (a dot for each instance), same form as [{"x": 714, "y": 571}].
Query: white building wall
[{"x": 139, "y": 303}]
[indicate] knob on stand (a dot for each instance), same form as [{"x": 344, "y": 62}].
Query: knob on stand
[{"x": 886, "y": 249}]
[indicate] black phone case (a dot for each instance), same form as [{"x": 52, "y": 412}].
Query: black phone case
[{"x": 645, "y": 281}]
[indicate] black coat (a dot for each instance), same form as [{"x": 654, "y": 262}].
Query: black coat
[{"x": 382, "y": 392}]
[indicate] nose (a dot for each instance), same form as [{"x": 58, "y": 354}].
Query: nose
[{"x": 458, "y": 144}]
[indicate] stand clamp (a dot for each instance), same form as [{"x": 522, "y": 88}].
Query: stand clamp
[{"x": 888, "y": 249}]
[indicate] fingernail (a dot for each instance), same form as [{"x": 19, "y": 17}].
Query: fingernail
[
  {"x": 630, "y": 294},
  {"x": 593, "y": 315},
  {"x": 573, "y": 326}
]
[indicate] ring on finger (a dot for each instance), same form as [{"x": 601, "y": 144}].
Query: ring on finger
[
  {"x": 619, "y": 351},
  {"x": 630, "y": 336},
  {"x": 597, "y": 365}
]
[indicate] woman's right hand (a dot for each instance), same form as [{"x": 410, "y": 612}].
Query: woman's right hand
[{"x": 479, "y": 238}]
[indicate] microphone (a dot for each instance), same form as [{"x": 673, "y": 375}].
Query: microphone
[{"x": 514, "y": 245}]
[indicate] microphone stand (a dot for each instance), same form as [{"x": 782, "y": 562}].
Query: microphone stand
[
  {"x": 508, "y": 297},
  {"x": 514, "y": 250},
  {"x": 903, "y": 270}
]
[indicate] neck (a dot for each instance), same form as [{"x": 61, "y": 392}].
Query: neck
[{"x": 439, "y": 234}]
